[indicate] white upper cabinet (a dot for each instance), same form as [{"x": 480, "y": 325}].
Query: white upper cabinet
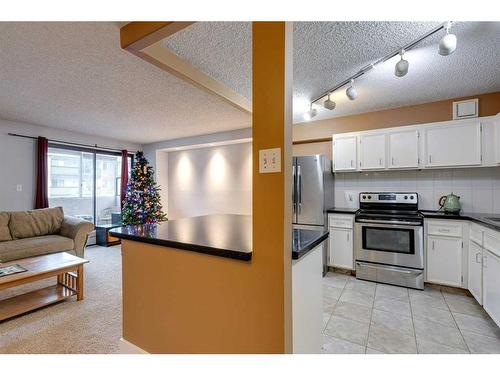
[
  {"x": 403, "y": 149},
  {"x": 345, "y": 153},
  {"x": 454, "y": 144},
  {"x": 372, "y": 151}
]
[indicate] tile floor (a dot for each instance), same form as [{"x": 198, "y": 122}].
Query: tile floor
[{"x": 366, "y": 317}]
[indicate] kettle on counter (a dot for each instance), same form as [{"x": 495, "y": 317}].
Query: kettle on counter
[{"x": 450, "y": 203}]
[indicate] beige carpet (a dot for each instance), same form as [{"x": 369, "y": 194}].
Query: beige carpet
[{"x": 90, "y": 326}]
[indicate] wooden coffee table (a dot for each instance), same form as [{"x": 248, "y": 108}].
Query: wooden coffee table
[{"x": 68, "y": 269}]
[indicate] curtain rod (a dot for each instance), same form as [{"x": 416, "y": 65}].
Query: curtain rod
[{"x": 95, "y": 146}]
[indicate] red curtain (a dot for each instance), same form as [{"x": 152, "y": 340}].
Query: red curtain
[
  {"x": 42, "y": 185},
  {"x": 124, "y": 176}
]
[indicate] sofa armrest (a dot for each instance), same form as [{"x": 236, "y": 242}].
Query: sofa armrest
[{"x": 78, "y": 230}]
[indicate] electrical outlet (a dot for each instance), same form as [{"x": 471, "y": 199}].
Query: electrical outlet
[
  {"x": 270, "y": 160},
  {"x": 19, "y": 187}
]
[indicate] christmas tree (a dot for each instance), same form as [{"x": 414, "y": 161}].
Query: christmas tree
[{"x": 142, "y": 200}]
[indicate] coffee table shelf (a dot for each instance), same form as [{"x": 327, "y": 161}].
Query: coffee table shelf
[{"x": 23, "y": 303}]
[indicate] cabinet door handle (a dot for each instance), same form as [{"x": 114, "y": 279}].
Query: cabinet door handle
[
  {"x": 392, "y": 161},
  {"x": 380, "y": 161},
  {"x": 351, "y": 163},
  {"x": 433, "y": 245},
  {"x": 347, "y": 236},
  {"x": 478, "y": 260},
  {"x": 430, "y": 159}
]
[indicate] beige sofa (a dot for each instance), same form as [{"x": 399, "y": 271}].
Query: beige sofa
[{"x": 25, "y": 234}]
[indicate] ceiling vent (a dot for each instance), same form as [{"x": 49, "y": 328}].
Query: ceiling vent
[{"x": 465, "y": 109}]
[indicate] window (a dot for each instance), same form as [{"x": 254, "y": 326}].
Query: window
[{"x": 86, "y": 183}]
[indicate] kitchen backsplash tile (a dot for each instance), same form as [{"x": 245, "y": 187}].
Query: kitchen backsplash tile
[{"x": 478, "y": 188}]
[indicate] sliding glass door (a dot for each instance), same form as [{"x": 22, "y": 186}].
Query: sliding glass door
[{"x": 86, "y": 183}]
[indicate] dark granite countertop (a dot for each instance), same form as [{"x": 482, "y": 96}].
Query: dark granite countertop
[
  {"x": 304, "y": 240},
  {"x": 481, "y": 218},
  {"x": 342, "y": 210},
  {"x": 222, "y": 235}
]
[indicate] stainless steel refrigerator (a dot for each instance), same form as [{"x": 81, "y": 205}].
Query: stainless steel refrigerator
[{"x": 312, "y": 194}]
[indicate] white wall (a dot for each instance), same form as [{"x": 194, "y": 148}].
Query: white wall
[
  {"x": 210, "y": 180},
  {"x": 478, "y": 188},
  {"x": 17, "y": 159}
]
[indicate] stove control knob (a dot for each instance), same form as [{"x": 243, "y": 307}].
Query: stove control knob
[
  {"x": 411, "y": 196},
  {"x": 364, "y": 196},
  {"x": 406, "y": 196},
  {"x": 369, "y": 197}
]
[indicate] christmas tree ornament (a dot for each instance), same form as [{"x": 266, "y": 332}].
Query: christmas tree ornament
[{"x": 142, "y": 200}]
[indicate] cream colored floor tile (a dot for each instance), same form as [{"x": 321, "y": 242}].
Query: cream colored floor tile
[
  {"x": 357, "y": 297},
  {"x": 424, "y": 301},
  {"x": 352, "y": 311},
  {"x": 429, "y": 291},
  {"x": 331, "y": 292},
  {"x": 329, "y": 304},
  {"x": 429, "y": 314},
  {"x": 431, "y": 347},
  {"x": 390, "y": 341},
  {"x": 336, "y": 280},
  {"x": 326, "y": 318},
  {"x": 466, "y": 308},
  {"x": 394, "y": 321},
  {"x": 482, "y": 325},
  {"x": 456, "y": 297},
  {"x": 363, "y": 286},
  {"x": 480, "y": 344},
  {"x": 438, "y": 333},
  {"x": 347, "y": 329},
  {"x": 391, "y": 291},
  {"x": 401, "y": 307},
  {"x": 373, "y": 351},
  {"x": 333, "y": 345}
]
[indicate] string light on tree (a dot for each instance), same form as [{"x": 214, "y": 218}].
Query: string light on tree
[{"x": 142, "y": 201}]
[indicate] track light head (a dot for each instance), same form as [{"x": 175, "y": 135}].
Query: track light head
[
  {"x": 329, "y": 104},
  {"x": 402, "y": 66},
  {"x": 351, "y": 91},
  {"x": 448, "y": 43},
  {"x": 311, "y": 113}
]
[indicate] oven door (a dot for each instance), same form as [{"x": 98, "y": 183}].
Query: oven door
[{"x": 391, "y": 244}]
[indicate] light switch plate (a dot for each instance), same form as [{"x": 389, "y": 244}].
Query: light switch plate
[{"x": 270, "y": 160}]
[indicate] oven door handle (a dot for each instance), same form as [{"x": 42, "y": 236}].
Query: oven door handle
[
  {"x": 395, "y": 269},
  {"x": 387, "y": 222}
]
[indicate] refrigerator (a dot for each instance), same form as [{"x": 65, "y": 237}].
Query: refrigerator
[{"x": 312, "y": 194}]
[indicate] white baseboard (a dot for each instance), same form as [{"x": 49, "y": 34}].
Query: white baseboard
[{"x": 125, "y": 347}]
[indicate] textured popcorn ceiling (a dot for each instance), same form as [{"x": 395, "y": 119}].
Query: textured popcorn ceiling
[
  {"x": 75, "y": 76},
  {"x": 326, "y": 53}
]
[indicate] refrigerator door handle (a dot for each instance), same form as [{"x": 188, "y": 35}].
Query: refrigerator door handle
[
  {"x": 294, "y": 193},
  {"x": 299, "y": 189}
]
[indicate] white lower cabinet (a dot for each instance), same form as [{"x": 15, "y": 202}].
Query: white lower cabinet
[
  {"x": 491, "y": 285},
  {"x": 340, "y": 243},
  {"x": 475, "y": 281},
  {"x": 444, "y": 260}
]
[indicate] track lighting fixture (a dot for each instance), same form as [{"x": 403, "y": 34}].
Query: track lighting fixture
[
  {"x": 329, "y": 104},
  {"x": 402, "y": 65},
  {"x": 311, "y": 113},
  {"x": 447, "y": 46},
  {"x": 448, "y": 43},
  {"x": 351, "y": 92}
]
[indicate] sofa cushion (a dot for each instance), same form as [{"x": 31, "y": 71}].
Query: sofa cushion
[
  {"x": 30, "y": 247},
  {"x": 26, "y": 224},
  {"x": 4, "y": 227}
]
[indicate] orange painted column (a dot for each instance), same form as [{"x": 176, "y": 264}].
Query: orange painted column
[{"x": 272, "y": 78}]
